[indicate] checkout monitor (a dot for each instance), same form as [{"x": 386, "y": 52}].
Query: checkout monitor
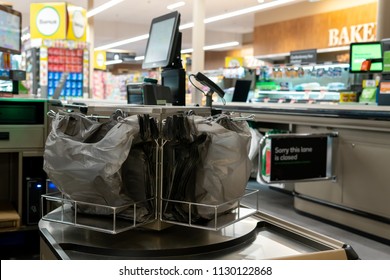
[
  {"x": 161, "y": 46},
  {"x": 164, "y": 50},
  {"x": 10, "y": 31},
  {"x": 366, "y": 57}
]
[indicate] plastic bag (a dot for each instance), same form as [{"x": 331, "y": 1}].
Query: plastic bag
[
  {"x": 204, "y": 162},
  {"x": 254, "y": 151},
  {"x": 85, "y": 171},
  {"x": 224, "y": 170}
]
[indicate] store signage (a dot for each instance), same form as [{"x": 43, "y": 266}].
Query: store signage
[
  {"x": 77, "y": 23},
  {"x": 352, "y": 34},
  {"x": 298, "y": 158},
  {"x": 231, "y": 62},
  {"x": 386, "y": 62},
  {"x": 57, "y": 21},
  {"x": 99, "y": 60},
  {"x": 303, "y": 56},
  {"x": 385, "y": 87},
  {"x": 383, "y": 97},
  {"x": 48, "y": 21}
]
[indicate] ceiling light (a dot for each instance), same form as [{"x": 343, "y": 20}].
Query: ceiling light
[
  {"x": 176, "y": 5},
  {"x": 123, "y": 42},
  {"x": 221, "y": 46},
  {"x": 186, "y": 26},
  {"x": 213, "y": 47},
  {"x": 248, "y": 10},
  {"x": 103, "y": 7},
  {"x": 115, "y": 61},
  {"x": 260, "y": 1},
  {"x": 208, "y": 20}
]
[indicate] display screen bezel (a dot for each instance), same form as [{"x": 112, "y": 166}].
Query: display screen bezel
[
  {"x": 18, "y": 33},
  {"x": 352, "y": 66},
  {"x": 168, "y": 47}
]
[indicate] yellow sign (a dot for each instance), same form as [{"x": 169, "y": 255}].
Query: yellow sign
[
  {"x": 370, "y": 83},
  {"x": 48, "y": 20},
  {"x": 77, "y": 29},
  {"x": 233, "y": 61},
  {"x": 99, "y": 60},
  {"x": 58, "y": 21}
]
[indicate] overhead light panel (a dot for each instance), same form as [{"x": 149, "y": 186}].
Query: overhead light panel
[
  {"x": 248, "y": 10},
  {"x": 213, "y": 47},
  {"x": 123, "y": 42},
  {"x": 103, "y": 7},
  {"x": 176, "y": 5},
  {"x": 115, "y": 61},
  {"x": 221, "y": 46},
  {"x": 186, "y": 26}
]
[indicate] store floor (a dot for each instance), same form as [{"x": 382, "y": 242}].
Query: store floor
[{"x": 280, "y": 204}]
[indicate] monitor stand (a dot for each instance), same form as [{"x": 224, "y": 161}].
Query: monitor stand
[{"x": 175, "y": 79}]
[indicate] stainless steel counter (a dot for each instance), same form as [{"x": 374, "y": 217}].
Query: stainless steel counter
[
  {"x": 358, "y": 196},
  {"x": 257, "y": 237},
  {"x": 347, "y": 110}
]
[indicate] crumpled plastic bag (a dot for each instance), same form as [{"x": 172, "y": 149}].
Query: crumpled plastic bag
[
  {"x": 224, "y": 170},
  {"x": 254, "y": 151},
  {"x": 205, "y": 162},
  {"x": 90, "y": 172}
]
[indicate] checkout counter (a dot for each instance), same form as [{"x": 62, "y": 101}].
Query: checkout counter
[
  {"x": 257, "y": 237},
  {"x": 357, "y": 196},
  {"x": 243, "y": 233}
]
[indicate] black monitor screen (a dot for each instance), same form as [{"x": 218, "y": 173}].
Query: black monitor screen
[
  {"x": 366, "y": 57},
  {"x": 10, "y": 30},
  {"x": 160, "y": 49}
]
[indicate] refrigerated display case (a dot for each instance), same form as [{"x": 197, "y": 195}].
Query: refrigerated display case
[{"x": 318, "y": 83}]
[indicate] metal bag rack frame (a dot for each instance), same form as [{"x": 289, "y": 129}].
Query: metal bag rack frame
[{"x": 64, "y": 210}]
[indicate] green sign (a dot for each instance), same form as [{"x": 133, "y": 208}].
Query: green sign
[{"x": 386, "y": 61}]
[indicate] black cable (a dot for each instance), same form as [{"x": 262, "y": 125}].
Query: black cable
[{"x": 192, "y": 75}]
